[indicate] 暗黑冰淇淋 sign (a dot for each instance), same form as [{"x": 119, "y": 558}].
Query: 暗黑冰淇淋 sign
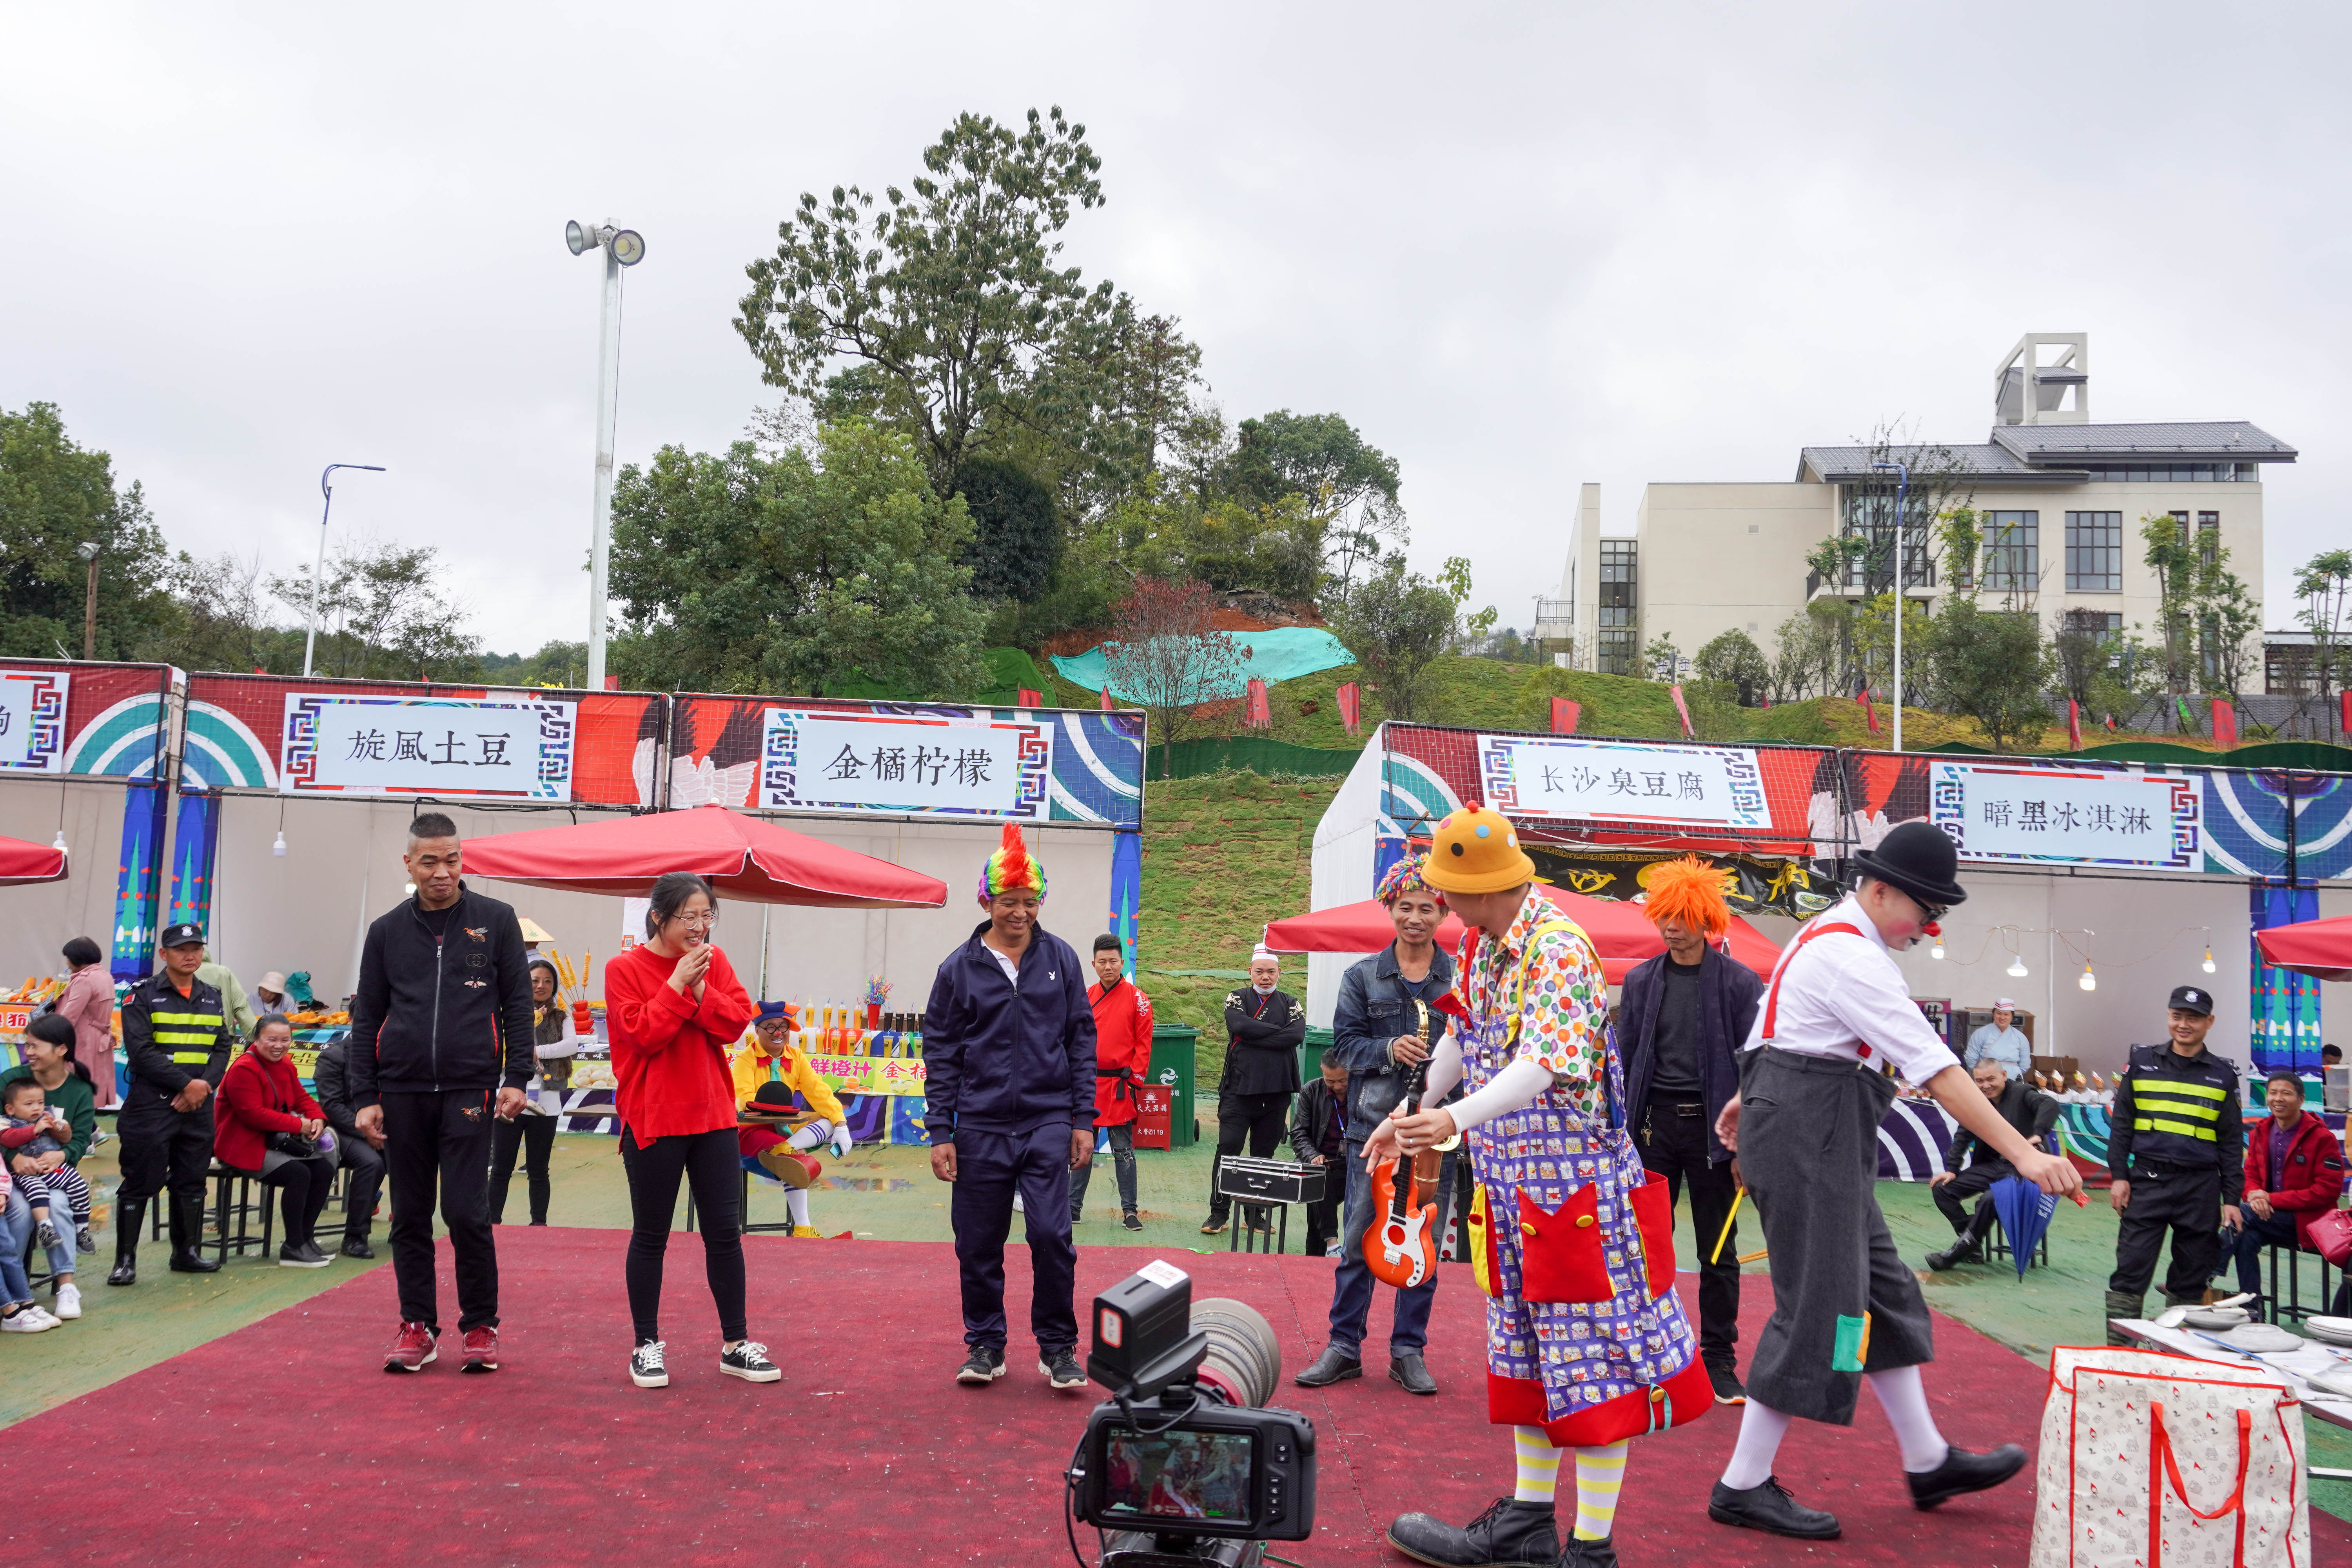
[
  {"x": 1613, "y": 781},
  {"x": 2094, "y": 817}
]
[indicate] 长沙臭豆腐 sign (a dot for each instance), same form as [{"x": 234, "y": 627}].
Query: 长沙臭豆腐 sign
[{"x": 1615, "y": 781}]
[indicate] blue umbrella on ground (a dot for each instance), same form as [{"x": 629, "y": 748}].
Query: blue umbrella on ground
[{"x": 2024, "y": 1211}]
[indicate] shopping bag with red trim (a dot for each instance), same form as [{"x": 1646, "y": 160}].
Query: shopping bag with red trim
[{"x": 2151, "y": 1460}]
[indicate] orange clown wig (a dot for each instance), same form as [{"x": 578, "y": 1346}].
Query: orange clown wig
[
  {"x": 1689, "y": 890},
  {"x": 1011, "y": 869}
]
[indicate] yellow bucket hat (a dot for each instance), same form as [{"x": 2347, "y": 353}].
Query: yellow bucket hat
[{"x": 1476, "y": 850}]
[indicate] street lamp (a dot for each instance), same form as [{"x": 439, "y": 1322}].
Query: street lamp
[
  {"x": 1902, "y": 490},
  {"x": 318, "y": 570},
  {"x": 90, "y": 605},
  {"x": 622, "y": 247}
]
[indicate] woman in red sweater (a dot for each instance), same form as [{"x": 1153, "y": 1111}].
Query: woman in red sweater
[
  {"x": 260, "y": 1098},
  {"x": 674, "y": 1008}
]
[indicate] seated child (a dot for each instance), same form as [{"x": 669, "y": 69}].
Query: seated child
[{"x": 31, "y": 1129}]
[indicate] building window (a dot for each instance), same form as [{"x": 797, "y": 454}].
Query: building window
[
  {"x": 1614, "y": 651},
  {"x": 2094, "y": 553},
  {"x": 2209, "y": 537},
  {"x": 2207, "y": 474},
  {"x": 1870, "y": 516},
  {"x": 2012, "y": 552}
]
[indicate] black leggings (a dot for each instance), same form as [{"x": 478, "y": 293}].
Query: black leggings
[
  {"x": 302, "y": 1193},
  {"x": 534, "y": 1137},
  {"x": 713, "y": 1168}
]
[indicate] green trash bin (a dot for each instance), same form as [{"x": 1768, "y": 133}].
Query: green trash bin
[
  {"x": 1174, "y": 1061},
  {"x": 1310, "y": 1054}
]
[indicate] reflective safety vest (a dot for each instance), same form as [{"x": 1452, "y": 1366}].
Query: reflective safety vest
[
  {"x": 191, "y": 1035},
  {"x": 2177, "y": 1105}
]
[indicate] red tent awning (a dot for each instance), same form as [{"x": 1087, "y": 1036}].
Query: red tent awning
[
  {"x": 1622, "y": 933},
  {"x": 743, "y": 856},
  {"x": 24, "y": 862},
  {"x": 2322, "y": 949}
]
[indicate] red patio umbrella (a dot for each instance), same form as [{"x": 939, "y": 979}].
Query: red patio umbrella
[
  {"x": 743, "y": 856},
  {"x": 1622, "y": 933},
  {"x": 24, "y": 862},
  {"x": 2322, "y": 949}
]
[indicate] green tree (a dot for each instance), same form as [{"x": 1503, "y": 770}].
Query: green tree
[
  {"x": 1992, "y": 666},
  {"x": 2323, "y": 584},
  {"x": 1322, "y": 457},
  {"x": 1016, "y": 531},
  {"x": 1396, "y": 623},
  {"x": 216, "y": 617},
  {"x": 2174, "y": 561},
  {"x": 1732, "y": 660},
  {"x": 558, "y": 664},
  {"x": 56, "y": 495},
  {"x": 2230, "y": 623},
  {"x": 1807, "y": 650},
  {"x": 744, "y": 573},
  {"x": 1662, "y": 660},
  {"x": 383, "y": 615},
  {"x": 948, "y": 302}
]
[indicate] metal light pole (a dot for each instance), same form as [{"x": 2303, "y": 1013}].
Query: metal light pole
[
  {"x": 319, "y": 568},
  {"x": 622, "y": 247},
  {"x": 90, "y": 605},
  {"x": 1902, "y": 492}
]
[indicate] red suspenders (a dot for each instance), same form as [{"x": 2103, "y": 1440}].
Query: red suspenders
[{"x": 1772, "y": 996}]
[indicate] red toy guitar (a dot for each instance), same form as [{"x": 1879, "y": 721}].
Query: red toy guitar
[{"x": 1401, "y": 1245}]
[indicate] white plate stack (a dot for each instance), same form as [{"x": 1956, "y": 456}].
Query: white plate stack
[{"x": 2332, "y": 1331}]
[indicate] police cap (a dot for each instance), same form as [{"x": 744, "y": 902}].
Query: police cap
[
  {"x": 181, "y": 935},
  {"x": 2192, "y": 999}
]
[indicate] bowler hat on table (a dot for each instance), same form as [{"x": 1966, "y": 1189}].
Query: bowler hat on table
[{"x": 1919, "y": 859}]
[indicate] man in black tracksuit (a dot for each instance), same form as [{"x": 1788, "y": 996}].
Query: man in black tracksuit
[
  {"x": 360, "y": 1154},
  {"x": 2177, "y": 1160},
  {"x": 441, "y": 1042},
  {"x": 176, "y": 1031},
  {"x": 1970, "y": 1167}
]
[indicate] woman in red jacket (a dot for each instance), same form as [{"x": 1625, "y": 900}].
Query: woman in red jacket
[
  {"x": 674, "y": 1008},
  {"x": 262, "y": 1103},
  {"x": 2294, "y": 1174}
]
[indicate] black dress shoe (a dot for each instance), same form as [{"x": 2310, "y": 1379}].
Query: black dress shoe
[
  {"x": 193, "y": 1263},
  {"x": 1771, "y": 1509},
  {"x": 1962, "y": 1251},
  {"x": 1408, "y": 1371},
  {"x": 1334, "y": 1365},
  {"x": 1509, "y": 1534},
  {"x": 357, "y": 1246},
  {"x": 1962, "y": 1471}
]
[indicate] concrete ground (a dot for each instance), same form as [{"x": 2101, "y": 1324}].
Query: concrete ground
[{"x": 889, "y": 1194}]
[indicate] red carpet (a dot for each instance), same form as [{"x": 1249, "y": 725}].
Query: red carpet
[{"x": 285, "y": 1443}]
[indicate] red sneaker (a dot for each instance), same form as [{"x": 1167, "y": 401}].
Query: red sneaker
[
  {"x": 481, "y": 1350},
  {"x": 411, "y": 1351}
]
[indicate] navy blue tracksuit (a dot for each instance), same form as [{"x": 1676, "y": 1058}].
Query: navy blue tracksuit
[{"x": 1009, "y": 1073}]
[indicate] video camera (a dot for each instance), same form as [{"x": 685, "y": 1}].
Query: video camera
[{"x": 1184, "y": 1465}]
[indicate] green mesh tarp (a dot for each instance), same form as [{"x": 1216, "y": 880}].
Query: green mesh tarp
[
  {"x": 1246, "y": 753},
  {"x": 1283, "y": 653}
]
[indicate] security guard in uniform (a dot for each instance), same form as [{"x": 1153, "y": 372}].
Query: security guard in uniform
[
  {"x": 2177, "y": 1154},
  {"x": 176, "y": 1031}
]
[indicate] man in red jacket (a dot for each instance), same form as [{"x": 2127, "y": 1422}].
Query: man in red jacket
[
  {"x": 2295, "y": 1172},
  {"x": 1122, "y": 1065}
]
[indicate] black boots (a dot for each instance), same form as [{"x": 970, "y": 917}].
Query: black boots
[
  {"x": 187, "y": 1230},
  {"x": 130, "y": 1214},
  {"x": 1509, "y": 1534}
]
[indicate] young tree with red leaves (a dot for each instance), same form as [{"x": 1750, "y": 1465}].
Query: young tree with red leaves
[{"x": 1166, "y": 653}]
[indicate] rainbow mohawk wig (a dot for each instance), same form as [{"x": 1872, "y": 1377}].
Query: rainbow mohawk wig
[
  {"x": 1011, "y": 868},
  {"x": 1690, "y": 890},
  {"x": 1403, "y": 878}
]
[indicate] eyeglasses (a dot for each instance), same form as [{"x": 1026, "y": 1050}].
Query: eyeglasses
[
  {"x": 705, "y": 920},
  {"x": 1931, "y": 913}
]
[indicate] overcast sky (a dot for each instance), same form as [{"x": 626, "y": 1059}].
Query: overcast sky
[{"x": 1520, "y": 247}]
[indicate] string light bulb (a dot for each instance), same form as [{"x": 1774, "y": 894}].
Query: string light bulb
[
  {"x": 59, "y": 841},
  {"x": 1937, "y": 950},
  {"x": 278, "y": 848},
  {"x": 2017, "y": 966},
  {"x": 2209, "y": 960},
  {"x": 410, "y": 888},
  {"x": 2089, "y": 982}
]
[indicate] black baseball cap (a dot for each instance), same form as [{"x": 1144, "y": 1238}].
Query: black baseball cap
[
  {"x": 2192, "y": 999},
  {"x": 181, "y": 935}
]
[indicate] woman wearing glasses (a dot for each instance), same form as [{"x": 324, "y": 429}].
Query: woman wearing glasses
[{"x": 674, "y": 1008}]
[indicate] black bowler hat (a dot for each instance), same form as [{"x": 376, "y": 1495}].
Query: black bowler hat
[
  {"x": 181, "y": 935},
  {"x": 1919, "y": 859},
  {"x": 2192, "y": 999}
]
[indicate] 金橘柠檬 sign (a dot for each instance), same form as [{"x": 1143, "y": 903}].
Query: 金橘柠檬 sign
[{"x": 914, "y": 763}]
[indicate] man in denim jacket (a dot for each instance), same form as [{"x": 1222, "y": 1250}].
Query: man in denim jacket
[{"x": 1383, "y": 1026}]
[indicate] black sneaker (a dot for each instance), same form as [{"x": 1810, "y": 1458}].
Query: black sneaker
[
  {"x": 647, "y": 1368},
  {"x": 302, "y": 1254},
  {"x": 85, "y": 1243},
  {"x": 1131, "y": 1221},
  {"x": 749, "y": 1361},
  {"x": 357, "y": 1246},
  {"x": 1214, "y": 1223},
  {"x": 1061, "y": 1368},
  {"x": 1725, "y": 1383},
  {"x": 984, "y": 1366}
]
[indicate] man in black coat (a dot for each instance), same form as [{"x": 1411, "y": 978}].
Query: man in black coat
[
  {"x": 1265, "y": 1028},
  {"x": 362, "y": 1153},
  {"x": 1681, "y": 1020},
  {"x": 1319, "y": 1136},
  {"x": 1971, "y": 1169}
]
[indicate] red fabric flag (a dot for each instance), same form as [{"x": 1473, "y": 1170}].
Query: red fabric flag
[
  {"x": 1868, "y": 712},
  {"x": 2225, "y": 723},
  {"x": 1105, "y": 698},
  {"x": 1259, "y": 714},
  {"x": 612, "y": 683},
  {"x": 2344, "y": 710},
  {"x": 1351, "y": 705},
  {"x": 2111, "y": 723},
  {"x": 1029, "y": 698},
  {"x": 1564, "y": 714},
  {"x": 1681, "y": 707},
  {"x": 2074, "y": 724}
]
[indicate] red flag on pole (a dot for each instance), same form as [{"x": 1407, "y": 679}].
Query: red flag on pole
[
  {"x": 2074, "y": 724},
  {"x": 1351, "y": 705},
  {"x": 2344, "y": 710},
  {"x": 1868, "y": 712},
  {"x": 2111, "y": 723},
  {"x": 1259, "y": 715},
  {"x": 1032, "y": 698},
  {"x": 2225, "y": 723},
  {"x": 1105, "y": 698},
  {"x": 1564, "y": 714},
  {"x": 1675, "y": 690}
]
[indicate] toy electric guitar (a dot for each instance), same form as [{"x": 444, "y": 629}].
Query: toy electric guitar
[{"x": 1401, "y": 1245}]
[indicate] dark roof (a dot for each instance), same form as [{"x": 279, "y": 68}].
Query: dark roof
[
  {"x": 2221, "y": 440},
  {"x": 1843, "y": 465}
]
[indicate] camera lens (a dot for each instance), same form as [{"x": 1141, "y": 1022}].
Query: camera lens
[{"x": 1245, "y": 1359}]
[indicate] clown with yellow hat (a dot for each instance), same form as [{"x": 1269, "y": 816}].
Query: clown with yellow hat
[{"x": 1587, "y": 1346}]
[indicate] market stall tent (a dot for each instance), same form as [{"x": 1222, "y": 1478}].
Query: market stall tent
[
  {"x": 742, "y": 856},
  {"x": 21, "y": 862},
  {"x": 2321, "y": 949}
]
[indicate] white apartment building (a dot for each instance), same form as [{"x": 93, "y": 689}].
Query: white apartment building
[{"x": 2059, "y": 500}]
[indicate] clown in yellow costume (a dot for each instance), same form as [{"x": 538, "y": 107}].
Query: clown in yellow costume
[{"x": 769, "y": 1071}]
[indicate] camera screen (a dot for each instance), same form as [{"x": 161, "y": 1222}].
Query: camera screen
[{"x": 1179, "y": 1475}]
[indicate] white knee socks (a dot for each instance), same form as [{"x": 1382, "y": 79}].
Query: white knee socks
[
  {"x": 1904, "y": 1399},
  {"x": 1538, "y": 1465},
  {"x": 1761, "y": 1427},
  {"x": 1600, "y": 1472},
  {"x": 796, "y": 1204}
]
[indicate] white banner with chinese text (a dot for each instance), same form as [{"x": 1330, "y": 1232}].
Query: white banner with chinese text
[
  {"x": 512, "y": 748},
  {"x": 1615, "y": 780},
  {"x": 2081, "y": 816},
  {"x": 33, "y": 719},
  {"x": 915, "y": 764}
]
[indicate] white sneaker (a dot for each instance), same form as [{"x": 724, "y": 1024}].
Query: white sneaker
[
  {"x": 69, "y": 1302},
  {"x": 27, "y": 1321}
]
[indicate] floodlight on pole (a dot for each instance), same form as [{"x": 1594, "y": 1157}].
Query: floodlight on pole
[
  {"x": 622, "y": 247},
  {"x": 1902, "y": 601},
  {"x": 89, "y": 554},
  {"x": 319, "y": 568}
]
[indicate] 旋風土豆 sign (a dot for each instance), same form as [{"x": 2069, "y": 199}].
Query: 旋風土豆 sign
[
  {"x": 2084, "y": 816},
  {"x": 515, "y": 748},
  {"x": 1611, "y": 780}
]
